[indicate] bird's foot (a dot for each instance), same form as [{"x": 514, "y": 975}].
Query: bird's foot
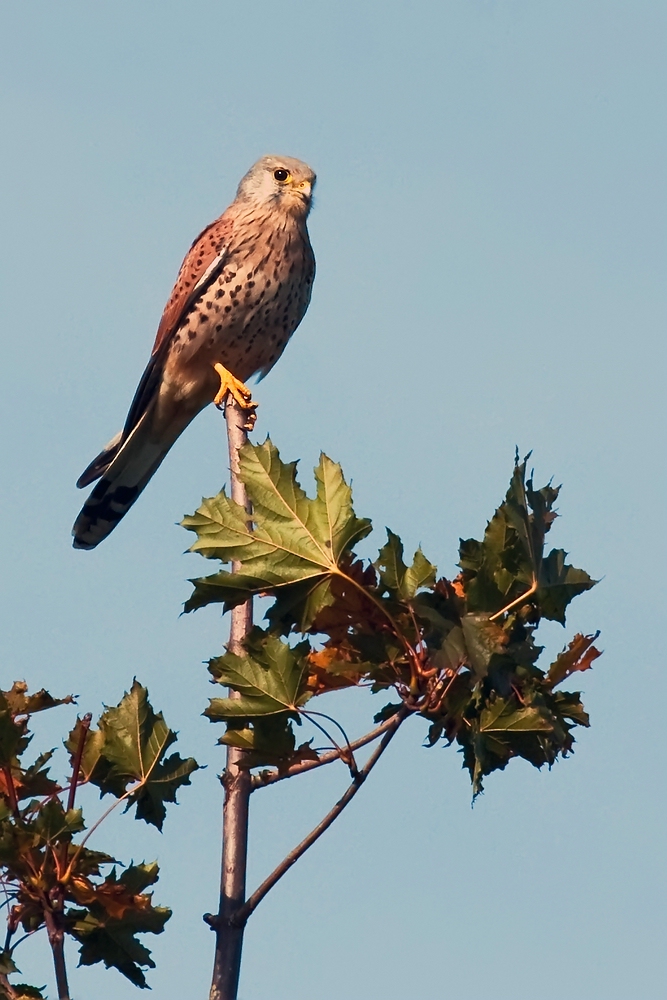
[{"x": 231, "y": 385}]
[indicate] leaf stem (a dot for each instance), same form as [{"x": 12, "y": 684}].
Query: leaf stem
[
  {"x": 241, "y": 915},
  {"x": 513, "y": 604},
  {"x": 346, "y": 754},
  {"x": 80, "y": 847}
]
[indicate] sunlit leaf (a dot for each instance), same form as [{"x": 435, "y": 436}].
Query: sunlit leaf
[
  {"x": 293, "y": 540},
  {"x": 270, "y": 678},
  {"x": 129, "y": 747}
]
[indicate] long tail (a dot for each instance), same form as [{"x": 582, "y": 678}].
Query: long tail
[{"x": 126, "y": 467}]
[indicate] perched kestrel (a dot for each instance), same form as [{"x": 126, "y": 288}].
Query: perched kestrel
[{"x": 242, "y": 290}]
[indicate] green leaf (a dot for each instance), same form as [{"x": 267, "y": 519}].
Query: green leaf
[
  {"x": 266, "y": 740},
  {"x": 13, "y": 738},
  {"x": 295, "y": 541},
  {"x": 558, "y": 584},
  {"x": 271, "y": 678},
  {"x": 35, "y": 779},
  {"x": 130, "y": 746},
  {"x": 54, "y": 824},
  {"x": 504, "y": 717},
  {"x": 388, "y": 712},
  {"x": 510, "y": 561},
  {"x": 7, "y": 964},
  {"x": 453, "y": 650},
  {"x": 402, "y": 581}
]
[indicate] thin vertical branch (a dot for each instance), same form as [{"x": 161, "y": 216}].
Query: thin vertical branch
[
  {"x": 229, "y": 936},
  {"x": 76, "y": 765},
  {"x": 56, "y": 934}
]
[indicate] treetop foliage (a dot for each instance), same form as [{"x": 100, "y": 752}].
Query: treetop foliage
[
  {"x": 461, "y": 653},
  {"x": 50, "y": 877}
]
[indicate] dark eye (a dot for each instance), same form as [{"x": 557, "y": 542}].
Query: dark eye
[{"x": 280, "y": 174}]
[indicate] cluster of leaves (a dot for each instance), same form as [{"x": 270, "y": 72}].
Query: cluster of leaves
[
  {"x": 50, "y": 878},
  {"x": 461, "y": 653}
]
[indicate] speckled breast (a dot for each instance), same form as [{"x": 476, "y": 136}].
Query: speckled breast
[{"x": 248, "y": 314}]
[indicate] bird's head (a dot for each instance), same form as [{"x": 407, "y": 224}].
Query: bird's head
[{"x": 281, "y": 182}]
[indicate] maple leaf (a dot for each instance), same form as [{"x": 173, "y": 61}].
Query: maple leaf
[
  {"x": 294, "y": 544},
  {"x": 331, "y": 669},
  {"x": 22, "y": 703},
  {"x": 402, "y": 581},
  {"x": 351, "y": 608},
  {"x": 510, "y": 560},
  {"x": 267, "y": 739},
  {"x": 114, "y": 914},
  {"x": 270, "y": 678},
  {"x": 129, "y": 747},
  {"x": 578, "y": 655}
]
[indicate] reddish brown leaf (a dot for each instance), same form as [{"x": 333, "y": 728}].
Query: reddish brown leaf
[
  {"x": 114, "y": 897},
  {"x": 329, "y": 669},
  {"x": 579, "y": 655},
  {"x": 351, "y": 607}
]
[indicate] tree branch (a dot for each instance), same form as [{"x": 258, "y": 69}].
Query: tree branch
[
  {"x": 228, "y": 934},
  {"x": 270, "y": 777},
  {"x": 56, "y": 935},
  {"x": 241, "y": 915}
]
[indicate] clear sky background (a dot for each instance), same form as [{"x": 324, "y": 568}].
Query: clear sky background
[{"x": 489, "y": 229}]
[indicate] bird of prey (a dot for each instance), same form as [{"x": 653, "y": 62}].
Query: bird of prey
[{"x": 241, "y": 292}]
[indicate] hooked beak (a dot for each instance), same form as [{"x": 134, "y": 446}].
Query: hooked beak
[{"x": 305, "y": 190}]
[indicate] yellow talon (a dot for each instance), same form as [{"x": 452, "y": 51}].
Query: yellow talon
[{"x": 238, "y": 390}]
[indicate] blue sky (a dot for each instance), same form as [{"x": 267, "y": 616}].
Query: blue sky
[{"x": 489, "y": 230}]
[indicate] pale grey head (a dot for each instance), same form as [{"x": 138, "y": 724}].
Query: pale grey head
[{"x": 280, "y": 182}]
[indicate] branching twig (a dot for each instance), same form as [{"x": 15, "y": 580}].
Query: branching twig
[
  {"x": 270, "y": 777},
  {"x": 241, "y": 915},
  {"x": 346, "y": 753}
]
